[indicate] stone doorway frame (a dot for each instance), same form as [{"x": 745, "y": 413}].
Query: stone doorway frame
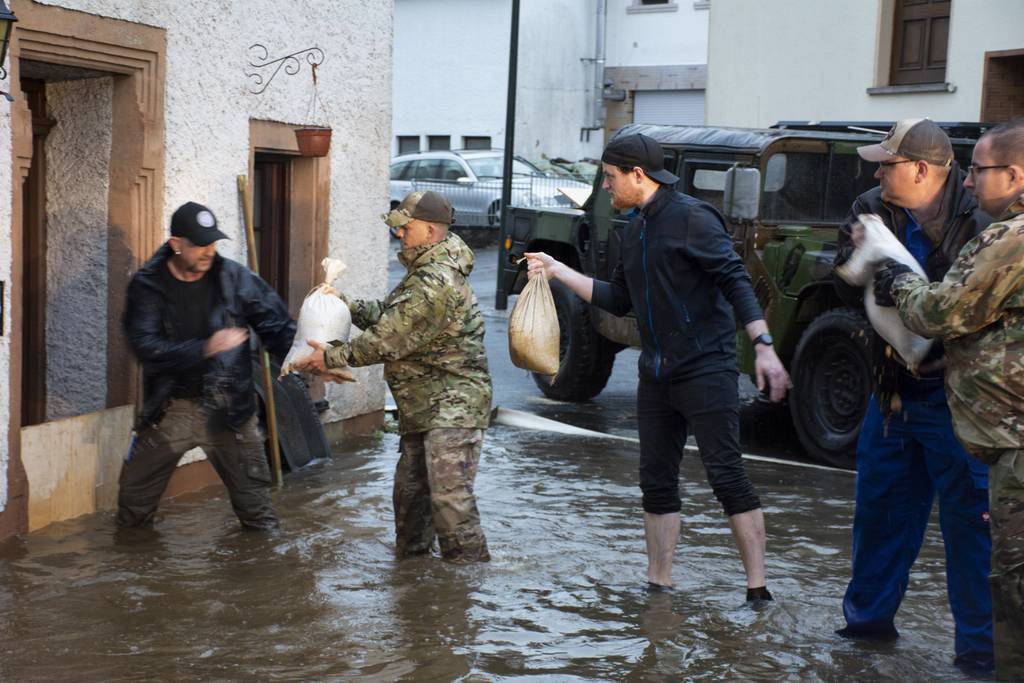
[{"x": 135, "y": 56}]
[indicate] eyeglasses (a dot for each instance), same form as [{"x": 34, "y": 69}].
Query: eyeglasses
[
  {"x": 973, "y": 170},
  {"x": 896, "y": 163}
]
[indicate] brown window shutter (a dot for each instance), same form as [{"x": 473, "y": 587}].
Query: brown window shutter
[{"x": 920, "y": 39}]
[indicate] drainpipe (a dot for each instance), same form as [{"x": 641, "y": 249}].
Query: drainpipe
[
  {"x": 597, "y": 95},
  {"x": 500, "y": 298},
  {"x": 598, "y": 112}
]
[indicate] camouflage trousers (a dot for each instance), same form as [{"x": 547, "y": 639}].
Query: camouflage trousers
[
  {"x": 433, "y": 495},
  {"x": 1006, "y": 509}
]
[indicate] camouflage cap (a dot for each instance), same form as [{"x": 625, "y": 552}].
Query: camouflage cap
[
  {"x": 917, "y": 139},
  {"x": 423, "y": 205}
]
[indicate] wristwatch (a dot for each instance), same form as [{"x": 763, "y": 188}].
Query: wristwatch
[{"x": 763, "y": 338}]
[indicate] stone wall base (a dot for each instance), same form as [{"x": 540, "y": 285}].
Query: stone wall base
[{"x": 73, "y": 464}]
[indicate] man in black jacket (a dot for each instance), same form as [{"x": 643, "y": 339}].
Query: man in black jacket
[
  {"x": 907, "y": 451},
  {"x": 679, "y": 274},
  {"x": 187, "y": 317}
]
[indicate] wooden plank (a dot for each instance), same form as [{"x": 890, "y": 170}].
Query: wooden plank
[{"x": 72, "y": 464}]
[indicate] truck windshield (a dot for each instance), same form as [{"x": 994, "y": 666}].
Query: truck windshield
[
  {"x": 705, "y": 180},
  {"x": 794, "y": 187}
]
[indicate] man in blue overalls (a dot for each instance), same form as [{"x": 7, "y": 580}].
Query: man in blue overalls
[{"x": 907, "y": 451}]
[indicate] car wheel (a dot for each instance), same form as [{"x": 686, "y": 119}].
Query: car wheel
[
  {"x": 494, "y": 213},
  {"x": 831, "y": 373},
  {"x": 585, "y": 357}
]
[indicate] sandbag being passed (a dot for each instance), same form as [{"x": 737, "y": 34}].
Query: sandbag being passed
[
  {"x": 879, "y": 245},
  {"x": 533, "y": 329},
  {"x": 323, "y": 318}
]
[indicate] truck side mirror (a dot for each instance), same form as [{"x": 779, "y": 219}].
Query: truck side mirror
[{"x": 742, "y": 193}]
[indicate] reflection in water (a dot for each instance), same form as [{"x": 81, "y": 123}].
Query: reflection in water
[{"x": 564, "y": 598}]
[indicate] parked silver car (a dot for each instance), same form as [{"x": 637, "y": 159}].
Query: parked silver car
[{"x": 471, "y": 179}]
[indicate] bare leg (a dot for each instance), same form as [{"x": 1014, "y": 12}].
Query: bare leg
[
  {"x": 661, "y": 532},
  {"x": 748, "y": 532}
]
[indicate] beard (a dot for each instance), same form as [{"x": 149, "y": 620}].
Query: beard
[
  {"x": 620, "y": 201},
  {"x": 199, "y": 266}
]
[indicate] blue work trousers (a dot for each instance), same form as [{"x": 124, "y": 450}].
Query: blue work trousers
[{"x": 900, "y": 469}]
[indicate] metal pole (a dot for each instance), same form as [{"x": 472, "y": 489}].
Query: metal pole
[
  {"x": 268, "y": 381},
  {"x": 500, "y": 298}
]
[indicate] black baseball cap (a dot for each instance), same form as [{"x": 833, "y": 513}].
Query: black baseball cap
[
  {"x": 639, "y": 150},
  {"x": 196, "y": 223}
]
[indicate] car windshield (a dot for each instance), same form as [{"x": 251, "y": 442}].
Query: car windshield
[{"x": 491, "y": 167}]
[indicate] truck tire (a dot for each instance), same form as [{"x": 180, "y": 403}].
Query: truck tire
[
  {"x": 831, "y": 373},
  {"x": 586, "y": 358}
]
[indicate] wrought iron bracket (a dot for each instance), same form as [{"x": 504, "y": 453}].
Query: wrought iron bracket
[
  {"x": 3, "y": 77},
  {"x": 260, "y": 61}
]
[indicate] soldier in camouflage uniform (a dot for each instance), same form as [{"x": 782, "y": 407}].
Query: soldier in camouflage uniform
[
  {"x": 429, "y": 334},
  {"x": 978, "y": 312}
]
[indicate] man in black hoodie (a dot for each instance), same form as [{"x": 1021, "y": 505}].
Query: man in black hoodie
[
  {"x": 907, "y": 451},
  {"x": 681, "y": 277},
  {"x": 187, "y": 316}
]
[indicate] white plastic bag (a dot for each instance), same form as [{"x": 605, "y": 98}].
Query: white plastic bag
[
  {"x": 323, "y": 318},
  {"x": 533, "y": 329},
  {"x": 879, "y": 246}
]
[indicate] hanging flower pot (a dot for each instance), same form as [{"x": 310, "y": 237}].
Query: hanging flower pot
[{"x": 313, "y": 142}]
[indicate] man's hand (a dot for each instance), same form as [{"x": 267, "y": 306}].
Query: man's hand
[
  {"x": 843, "y": 255},
  {"x": 314, "y": 363},
  {"x": 225, "y": 340},
  {"x": 768, "y": 369},
  {"x": 538, "y": 262},
  {"x": 884, "y": 278},
  {"x": 857, "y": 235},
  {"x": 844, "y": 252}
]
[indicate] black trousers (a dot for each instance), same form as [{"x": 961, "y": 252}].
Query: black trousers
[
  {"x": 707, "y": 406},
  {"x": 237, "y": 456}
]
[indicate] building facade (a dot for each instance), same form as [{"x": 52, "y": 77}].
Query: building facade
[
  {"x": 122, "y": 111},
  {"x": 585, "y": 68},
  {"x": 656, "y": 68},
  {"x": 950, "y": 60}
]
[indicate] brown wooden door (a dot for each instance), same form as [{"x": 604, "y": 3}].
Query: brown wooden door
[
  {"x": 270, "y": 218},
  {"x": 920, "y": 40},
  {"x": 33, "y": 299}
]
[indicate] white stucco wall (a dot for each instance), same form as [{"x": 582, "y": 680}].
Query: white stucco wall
[
  {"x": 656, "y": 37},
  {"x": 806, "y": 59},
  {"x": 451, "y": 73},
  {"x": 553, "y": 100},
  {"x": 208, "y": 107},
  {"x": 207, "y": 112},
  {"x": 77, "y": 184}
]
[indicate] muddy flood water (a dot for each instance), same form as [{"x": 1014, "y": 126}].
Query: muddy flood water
[{"x": 564, "y": 598}]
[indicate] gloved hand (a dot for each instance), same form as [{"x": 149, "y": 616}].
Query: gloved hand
[
  {"x": 884, "y": 278},
  {"x": 843, "y": 254}
]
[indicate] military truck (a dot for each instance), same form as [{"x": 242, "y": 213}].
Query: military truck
[{"x": 784, "y": 191}]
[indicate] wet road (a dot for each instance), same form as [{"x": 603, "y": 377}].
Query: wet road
[
  {"x": 562, "y": 600},
  {"x": 766, "y": 428}
]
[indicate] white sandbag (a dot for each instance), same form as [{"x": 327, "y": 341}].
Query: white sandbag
[
  {"x": 880, "y": 245},
  {"x": 533, "y": 329},
  {"x": 323, "y": 318}
]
